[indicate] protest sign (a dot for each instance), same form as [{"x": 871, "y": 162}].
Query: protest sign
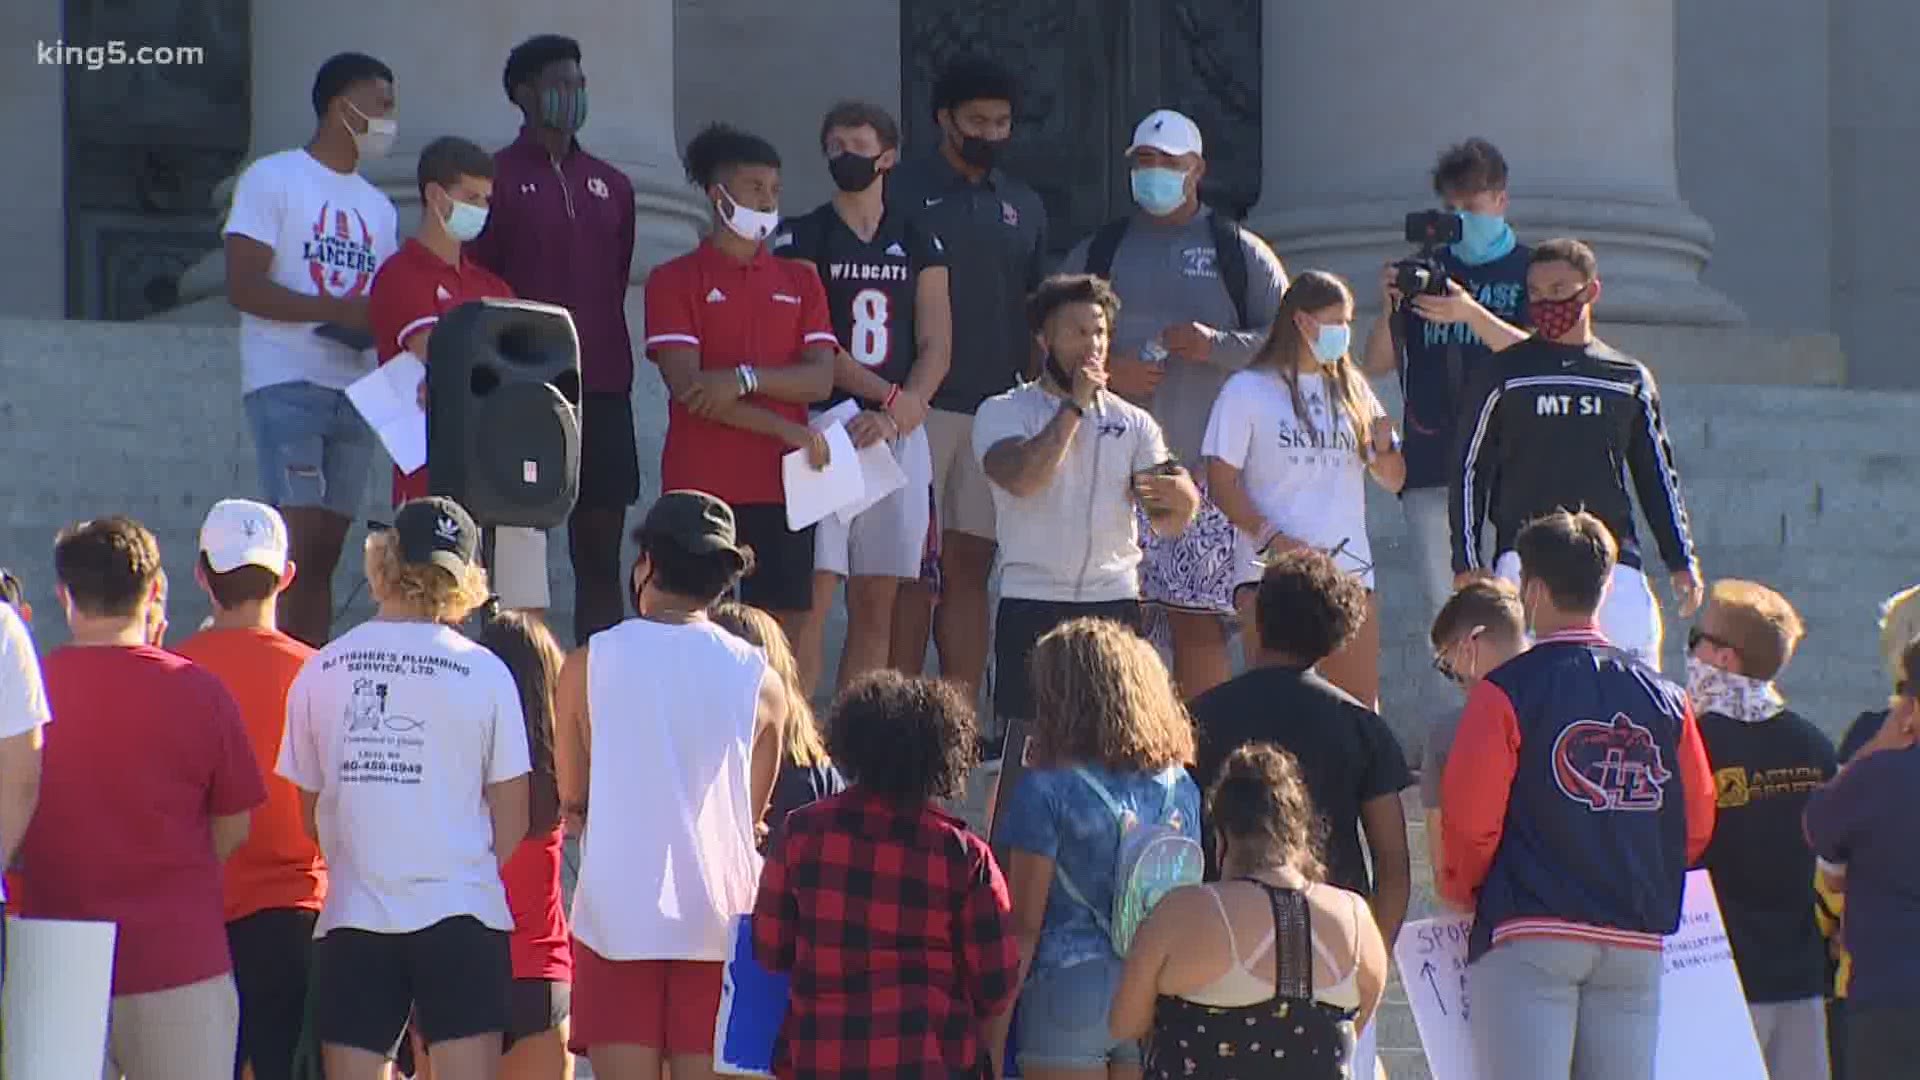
[{"x": 1702, "y": 1007}]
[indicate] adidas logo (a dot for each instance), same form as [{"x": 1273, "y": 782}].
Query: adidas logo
[
  {"x": 440, "y": 293},
  {"x": 446, "y": 529},
  {"x": 715, "y": 296},
  {"x": 895, "y": 250}
]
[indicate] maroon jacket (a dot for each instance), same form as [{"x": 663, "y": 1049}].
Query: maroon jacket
[{"x": 562, "y": 232}]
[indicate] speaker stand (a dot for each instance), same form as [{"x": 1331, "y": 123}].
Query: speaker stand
[{"x": 487, "y": 534}]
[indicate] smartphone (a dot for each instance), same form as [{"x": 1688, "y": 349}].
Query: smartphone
[{"x": 357, "y": 340}]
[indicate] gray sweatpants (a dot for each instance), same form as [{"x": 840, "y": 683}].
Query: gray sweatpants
[
  {"x": 1547, "y": 1009},
  {"x": 1793, "y": 1037}
]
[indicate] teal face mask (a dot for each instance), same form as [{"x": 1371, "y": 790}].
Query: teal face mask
[
  {"x": 1483, "y": 238},
  {"x": 564, "y": 110},
  {"x": 1159, "y": 191}
]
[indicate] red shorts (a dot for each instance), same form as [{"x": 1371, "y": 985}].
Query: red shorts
[{"x": 667, "y": 1005}]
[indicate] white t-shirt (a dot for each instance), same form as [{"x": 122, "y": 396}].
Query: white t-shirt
[
  {"x": 399, "y": 727},
  {"x": 329, "y": 233},
  {"x": 23, "y": 697},
  {"x": 1309, "y": 480},
  {"x": 1075, "y": 540}
]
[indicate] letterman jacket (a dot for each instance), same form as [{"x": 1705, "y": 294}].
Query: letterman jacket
[{"x": 1576, "y": 796}]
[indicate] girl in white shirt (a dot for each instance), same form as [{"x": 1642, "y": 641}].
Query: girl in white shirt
[{"x": 1288, "y": 446}]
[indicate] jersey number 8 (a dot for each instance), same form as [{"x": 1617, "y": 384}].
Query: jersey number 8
[{"x": 871, "y": 337}]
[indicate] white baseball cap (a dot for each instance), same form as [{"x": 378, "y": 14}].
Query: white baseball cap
[
  {"x": 1168, "y": 132},
  {"x": 240, "y": 532}
]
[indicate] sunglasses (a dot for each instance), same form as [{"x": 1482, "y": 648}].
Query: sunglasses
[
  {"x": 1696, "y": 635},
  {"x": 1442, "y": 665}
]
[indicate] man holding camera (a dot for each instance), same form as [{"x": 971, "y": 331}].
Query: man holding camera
[{"x": 1444, "y": 338}]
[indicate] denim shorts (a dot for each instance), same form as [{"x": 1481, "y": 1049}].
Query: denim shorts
[
  {"x": 313, "y": 448},
  {"x": 1063, "y": 1019}
]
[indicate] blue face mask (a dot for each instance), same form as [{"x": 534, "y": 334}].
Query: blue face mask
[
  {"x": 1160, "y": 191},
  {"x": 1332, "y": 341},
  {"x": 1483, "y": 238}
]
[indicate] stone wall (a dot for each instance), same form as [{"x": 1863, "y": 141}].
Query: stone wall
[{"x": 1806, "y": 489}]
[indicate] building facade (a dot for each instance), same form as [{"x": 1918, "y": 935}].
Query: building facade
[{"x": 1739, "y": 163}]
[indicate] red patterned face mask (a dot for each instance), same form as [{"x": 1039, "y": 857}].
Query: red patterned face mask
[{"x": 1555, "y": 318}]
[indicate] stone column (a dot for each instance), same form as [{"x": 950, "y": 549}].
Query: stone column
[
  {"x": 447, "y": 72},
  {"x": 1361, "y": 95},
  {"x": 33, "y": 222}
]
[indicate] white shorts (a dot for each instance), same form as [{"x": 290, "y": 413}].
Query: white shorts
[
  {"x": 519, "y": 572},
  {"x": 1629, "y": 614},
  {"x": 888, "y": 538}
]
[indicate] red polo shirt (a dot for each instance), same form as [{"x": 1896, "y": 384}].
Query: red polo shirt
[
  {"x": 561, "y": 232},
  {"x": 410, "y": 293},
  {"x": 761, "y": 312}
]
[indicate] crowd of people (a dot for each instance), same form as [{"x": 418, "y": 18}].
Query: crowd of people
[{"x": 339, "y": 853}]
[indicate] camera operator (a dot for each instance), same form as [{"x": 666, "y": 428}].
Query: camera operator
[{"x": 1445, "y": 339}]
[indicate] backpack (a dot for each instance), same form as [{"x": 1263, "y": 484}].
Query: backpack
[
  {"x": 1151, "y": 860},
  {"x": 1228, "y": 255}
]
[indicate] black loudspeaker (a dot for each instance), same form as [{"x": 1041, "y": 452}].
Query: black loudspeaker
[{"x": 503, "y": 415}]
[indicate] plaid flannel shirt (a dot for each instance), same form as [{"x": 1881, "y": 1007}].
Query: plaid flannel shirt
[{"x": 895, "y": 927}]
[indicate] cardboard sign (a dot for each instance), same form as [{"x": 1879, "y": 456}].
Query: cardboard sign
[
  {"x": 1701, "y": 1002},
  {"x": 59, "y": 982},
  {"x": 753, "y": 1005}
]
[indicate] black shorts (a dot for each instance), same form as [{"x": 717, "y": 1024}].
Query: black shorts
[
  {"x": 782, "y": 578},
  {"x": 1019, "y": 625},
  {"x": 534, "y": 1006},
  {"x": 609, "y": 457},
  {"x": 272, "y": 955},
  {"x": 452, "y": 977}
]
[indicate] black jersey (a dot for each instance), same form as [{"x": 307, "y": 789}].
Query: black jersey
[
  {"x": 871, "y": 284},
  {"x": 1565, "y": 427}
]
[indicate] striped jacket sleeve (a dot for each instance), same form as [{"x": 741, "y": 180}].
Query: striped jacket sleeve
[
  {"x": 1475, "y": 472},
  {"x": 1657, "y": 481}
]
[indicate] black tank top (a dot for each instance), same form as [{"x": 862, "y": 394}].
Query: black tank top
[{"x": 1290, "y": 1036}]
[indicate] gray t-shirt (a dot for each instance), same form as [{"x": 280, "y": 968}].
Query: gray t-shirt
[
  {"x": 1169, "y": 274},
  {"x": 1433, "y": 757}
]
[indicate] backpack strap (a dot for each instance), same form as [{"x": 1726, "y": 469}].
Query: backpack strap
[
  {"x": 1066, "y": 882},
  {"x": 1105, "y": 244},
  {"x": 1231, "y": 259}
]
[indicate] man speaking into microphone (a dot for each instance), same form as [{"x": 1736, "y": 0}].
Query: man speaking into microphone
[{"x": 429, "y": 276}]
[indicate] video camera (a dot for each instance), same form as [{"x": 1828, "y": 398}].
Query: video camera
[{"x": 1423, "y": 273}]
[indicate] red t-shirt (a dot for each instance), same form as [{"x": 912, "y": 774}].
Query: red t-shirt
[
  {"x": 146, "y": 751},
  {"x": 410, "y": 293},
  {"x": 762, "y": 312},
  {"x": 280, "y": 865},
  {"x": 540, "y": 943}
]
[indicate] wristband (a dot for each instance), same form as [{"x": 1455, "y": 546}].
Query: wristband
[
  {"x": 749, "y": 380},
  {"x": 893, "y": 395}
]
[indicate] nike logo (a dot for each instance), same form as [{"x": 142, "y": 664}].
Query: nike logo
[{"x": 935, "y": 201}]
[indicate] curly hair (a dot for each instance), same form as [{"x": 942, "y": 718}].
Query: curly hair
[
  {"x": 422, "y": 589},
  {"x": 1102, "y": 697},
  {"x": 720, "y": 148},
  {"x": 761, "y": 630},
  {"x": 911, "y": 739},
  {"x": 1063, "y": 290},
  {"x": 1307, "y": 607},
  {"x": 1261, "y": 800}
]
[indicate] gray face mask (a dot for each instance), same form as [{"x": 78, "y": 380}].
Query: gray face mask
[{"x": 374, "y": 142}]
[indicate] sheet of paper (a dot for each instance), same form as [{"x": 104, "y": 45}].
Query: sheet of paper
[
  {"x": 880, "y": 474},
  {"x": 1705, "y": 1029},
  {"x": 59, "y": 978},
  {"x": 814, "y": 493},
  {"x": 388, "y": 397}
]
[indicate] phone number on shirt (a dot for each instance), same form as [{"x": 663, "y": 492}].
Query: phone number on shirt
[{"x": 378, "y": 765}]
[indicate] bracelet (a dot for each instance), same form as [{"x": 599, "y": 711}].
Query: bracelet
[
  {"x": 749, "y": 379},
  {"x": 893, "y": 395}
]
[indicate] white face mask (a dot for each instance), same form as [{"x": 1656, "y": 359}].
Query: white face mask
[
  {"x": 746, "y": 222},
  {"x": 464, "y": 221},
  {"x": 374, "y": 142}
]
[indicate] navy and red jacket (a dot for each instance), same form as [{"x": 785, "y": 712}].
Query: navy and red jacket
[{"x": 1576, "y": 795}]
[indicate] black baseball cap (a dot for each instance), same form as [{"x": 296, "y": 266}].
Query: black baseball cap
[
  {"x": 694, "y": 522},
  {"x": 437, "y": 531}
]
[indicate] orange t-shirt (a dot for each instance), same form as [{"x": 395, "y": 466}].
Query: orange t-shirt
[{"x": 279, "y": 866}]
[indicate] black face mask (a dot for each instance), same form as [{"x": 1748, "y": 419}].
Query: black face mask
[
  {"x": 852, "y": 172},
  {"x": 981, "y": 153}
]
